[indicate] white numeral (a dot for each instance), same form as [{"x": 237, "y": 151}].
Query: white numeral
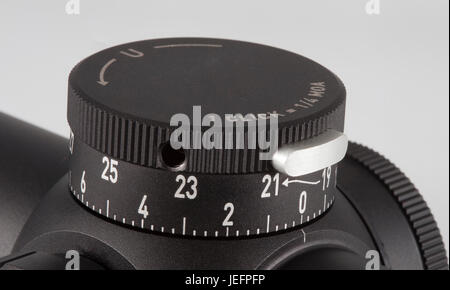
[
  {"x": 268, "y": 180},
  {"x": 302, "y": 202},
  {"x": 83, "y": 182},
  {"x": 143, "y": 207},
  {"x": 230, "y": 208},
  {"x": 180, "y": 178},
  {"x": 110, "y": 166},
  {"x": 192, "y": 181},
  {"x": 326, "y": 176},
  {"x": 193, "y": 193}
]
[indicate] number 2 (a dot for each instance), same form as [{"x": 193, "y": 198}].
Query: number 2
[{"x": 230, "y": 208}]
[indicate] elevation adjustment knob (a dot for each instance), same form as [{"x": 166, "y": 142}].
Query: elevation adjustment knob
[{"x": 205, "y": 137}]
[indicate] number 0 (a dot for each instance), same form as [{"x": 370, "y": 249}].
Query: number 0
[{"x": 302, "y": 202}]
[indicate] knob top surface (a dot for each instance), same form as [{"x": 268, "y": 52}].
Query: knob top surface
[{"x": 154, "y": 79}]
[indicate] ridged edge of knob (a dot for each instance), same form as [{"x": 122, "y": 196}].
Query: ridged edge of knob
[
  {"x": 137, "y": 142},
  {"x": 414, "y": 207}
]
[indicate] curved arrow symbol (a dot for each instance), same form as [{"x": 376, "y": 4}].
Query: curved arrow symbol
[
  {"x": 287, "y": 181},
  {"x": 103, "y": 70}
]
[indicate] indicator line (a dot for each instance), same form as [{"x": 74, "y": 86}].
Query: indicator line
[
  {"x": 187, "y": 45},
  {"x": 268, "y": 223},
  {"x": 184, "y": 226},
  {"x": 324, "y": 202},
  {"x": 304, "y": 236},
  {"x": 107, "y": 208}
]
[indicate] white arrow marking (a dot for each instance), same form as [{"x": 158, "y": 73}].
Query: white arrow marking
[
  {"x": 103, "y": 70},
  {"x": 287, "y": 181}
]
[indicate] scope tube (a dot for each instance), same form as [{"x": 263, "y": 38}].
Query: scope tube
[{"x": 31, "y": 161}]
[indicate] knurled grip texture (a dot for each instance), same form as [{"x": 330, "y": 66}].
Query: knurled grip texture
[
  {"x": 410, "y": 201},
  {"x": 137, "y": 142}
]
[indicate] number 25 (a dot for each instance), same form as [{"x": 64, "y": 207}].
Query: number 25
[{"x": 110, "y": 166}]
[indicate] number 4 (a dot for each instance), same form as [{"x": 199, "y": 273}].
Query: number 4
[{"x": 143, "y": 207}]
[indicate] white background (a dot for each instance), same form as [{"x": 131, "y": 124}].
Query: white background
[{"x": 394, "y": 65}]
